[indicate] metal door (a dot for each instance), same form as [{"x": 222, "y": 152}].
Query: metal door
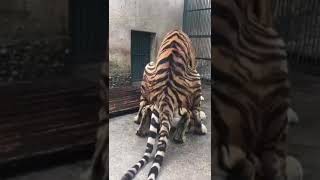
[
  {"x": 88, "y": 24},
  {"x": 140, "y": 53},
  {"x": 197, "y": 24}
]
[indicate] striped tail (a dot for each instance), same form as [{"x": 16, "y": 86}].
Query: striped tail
[
  {"x": 161, "y": 149},
  {"x": 154, "y": 128}
]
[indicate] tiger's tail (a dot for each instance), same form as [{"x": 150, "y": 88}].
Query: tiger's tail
[
  {"x": 162, "y": 144},
  {"x": 153, "y": 131}
]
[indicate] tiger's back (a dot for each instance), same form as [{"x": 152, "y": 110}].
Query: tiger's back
[{"x": 172, "y": 72}]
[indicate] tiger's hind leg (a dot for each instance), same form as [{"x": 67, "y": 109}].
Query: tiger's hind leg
[
  {"x": 138, "y": 117},
  {"x": 182, "y": 126},
  {"x": 144, "y": 121},
  {"x": 202, "y": 115}
]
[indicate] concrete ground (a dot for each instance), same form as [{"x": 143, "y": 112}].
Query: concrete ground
[
  {"x": 126, "y": 148},
  {"x": 72, "y": 171},
  {"x": 188, "y": 161}
]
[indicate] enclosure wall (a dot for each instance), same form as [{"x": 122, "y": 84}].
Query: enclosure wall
[{"x": 154, "y": 16}]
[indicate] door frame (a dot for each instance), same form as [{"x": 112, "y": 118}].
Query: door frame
[{"x": 152, "y": 50}]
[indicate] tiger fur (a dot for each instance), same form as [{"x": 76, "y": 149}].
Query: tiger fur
[
  {"x": 170, "y": 98},
  {"x": 250, "y": 97}
]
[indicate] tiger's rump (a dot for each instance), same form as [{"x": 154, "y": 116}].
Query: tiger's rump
[{"x": 185, "y": 82}]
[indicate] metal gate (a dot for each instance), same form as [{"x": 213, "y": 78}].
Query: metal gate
[
  {"x": 140, "y": 53},
  {"x": 298, "y": 23},
  {"x": 197, "y": 24}
]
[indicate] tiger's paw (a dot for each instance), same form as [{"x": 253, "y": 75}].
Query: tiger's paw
[
  {"x": 179, "y": 139},
  {"x": 202, "y": 115},
  {"x": 141, "y": 133},
  {"x": 201, "y": 100},
  {"x": 202, "y": 130}
]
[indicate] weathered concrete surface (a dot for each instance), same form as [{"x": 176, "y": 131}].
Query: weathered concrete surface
[
  {"x": 33, "y": 18},
  {"x": 188, "y": 161},
  {"x": 74, "y": 171},
  {"x": 304, "y": 143},
  {"x": 151, "y": 16}
]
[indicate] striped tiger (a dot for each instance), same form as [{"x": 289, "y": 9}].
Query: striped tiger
[
  {"x": 250, "y": 98},
  {"x": 170, "y": 98}
]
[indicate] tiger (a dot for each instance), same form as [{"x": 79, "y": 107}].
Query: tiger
[
  {"x": 170, "y": 100},
  {"x": 250, "y": 97}
]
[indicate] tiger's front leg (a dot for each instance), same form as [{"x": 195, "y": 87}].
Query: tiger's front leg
[
  {"x": 196, "y": 119},
  {"x": 144, "y": 121},
  {"x": 202, "y": 115},
  {"x": 198, "y": 127},
  {"x": 183, "y": 119},
  {"x": 138, "y": 117}
]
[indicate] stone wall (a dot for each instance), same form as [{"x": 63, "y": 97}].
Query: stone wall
[
  {"x": 27, "y": 60},
  {"x": 20, "y": 19},
  {"x": 34, "y": 38}
]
